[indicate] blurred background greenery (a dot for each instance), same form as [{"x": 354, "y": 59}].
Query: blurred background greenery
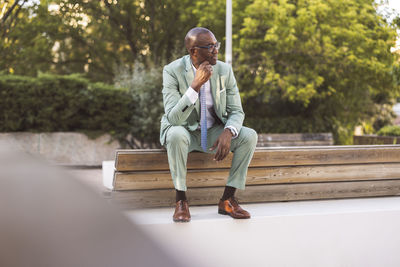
[{"x": 301, "y": 65}]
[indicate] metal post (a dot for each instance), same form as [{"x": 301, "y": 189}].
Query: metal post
[{"x": 228, "y": 32}]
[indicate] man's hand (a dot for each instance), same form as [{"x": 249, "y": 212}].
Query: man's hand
[
  {"x": 203, "y": 74},
  {"x": 223, "y": 145}
]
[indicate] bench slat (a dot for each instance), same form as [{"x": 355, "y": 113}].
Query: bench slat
[
  {"x": 258, "y": 176},
  {"x": 260, "y": 193},
  {"x": 152, "y": 160}
]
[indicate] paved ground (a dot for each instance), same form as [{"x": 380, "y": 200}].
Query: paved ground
[{"x": 89, "y": 176}]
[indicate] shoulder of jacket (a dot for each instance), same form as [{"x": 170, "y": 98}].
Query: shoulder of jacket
[
  {"x": 176, "y": 65},
  {"x": 222, "y": 67}
]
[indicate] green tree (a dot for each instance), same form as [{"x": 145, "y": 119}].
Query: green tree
[
  {"x": 302, "y": 65},
  {"x": 212, "y": 16},
  {"x": 24, "y": 49},
  {"x": 314, "y": 65},
  {"x": 93, "y": 37}
]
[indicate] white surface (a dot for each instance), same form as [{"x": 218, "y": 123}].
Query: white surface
[
  {"x": 390, "y": 9},
  {"x": 108, "y": 173},
  {"x": 396, "y": 109},
  {"x": 354, "y": 232},
  {"x": 228, "y": 32}
]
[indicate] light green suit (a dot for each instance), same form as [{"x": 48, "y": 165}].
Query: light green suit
[{"x": 180, "y": 123}]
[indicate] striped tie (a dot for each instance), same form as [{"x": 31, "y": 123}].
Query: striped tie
[{"x": 203, "y": 118}]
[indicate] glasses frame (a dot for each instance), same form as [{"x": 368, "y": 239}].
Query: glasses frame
[{"x": 217, "y": 45}]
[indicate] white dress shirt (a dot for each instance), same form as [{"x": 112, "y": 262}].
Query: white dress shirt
[{"x": 193, "y": 96}]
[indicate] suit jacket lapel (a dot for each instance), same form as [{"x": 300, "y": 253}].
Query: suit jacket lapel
[{"x": 189, "y": 76}]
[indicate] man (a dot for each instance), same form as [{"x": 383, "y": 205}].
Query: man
[{"x": 203, "y": 112}]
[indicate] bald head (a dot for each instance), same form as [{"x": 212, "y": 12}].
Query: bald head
[
  {"x": 202, "y": 46},
  {"x": 193, "y": 35}
]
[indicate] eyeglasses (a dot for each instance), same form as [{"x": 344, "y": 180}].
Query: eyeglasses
[{"x": 211, "y": 47}]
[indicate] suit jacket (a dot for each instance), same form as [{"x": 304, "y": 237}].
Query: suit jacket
[{"x": 177, "y": 78}]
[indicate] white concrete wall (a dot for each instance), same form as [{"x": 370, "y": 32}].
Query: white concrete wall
[
  {"x": 326, "y": 233},
  {"x": 65, "y": 148}
]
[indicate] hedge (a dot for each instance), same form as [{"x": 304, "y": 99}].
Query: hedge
[
  {"x": 391, "y": 130},
  {"x": 51, "y": 103}
]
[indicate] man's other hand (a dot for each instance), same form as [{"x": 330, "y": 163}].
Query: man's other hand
[
  {"x": 203, "y": 74},
  {"x": 223, "y": 145}
]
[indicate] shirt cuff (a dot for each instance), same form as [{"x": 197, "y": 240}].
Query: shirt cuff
[
  {"x": 233, "y": 130},
  {"x": 192, "y": 95}
]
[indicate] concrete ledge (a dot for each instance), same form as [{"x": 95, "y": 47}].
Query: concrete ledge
[
  {"x": 64, "y": 148},
  {"x": 108, "y": 170},
  {"x": 331, "y": 233}
]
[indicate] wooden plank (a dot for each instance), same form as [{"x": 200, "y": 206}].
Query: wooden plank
[
  {"x": 128, "y": 160},
  {"x": 264, "y": 193},
  {"x": 156, "y": 159},
  {"x": 257, "y": 176},
  {"x": 326, "y": 155}
]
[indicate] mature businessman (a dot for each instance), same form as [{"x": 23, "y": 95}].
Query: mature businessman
[{"x": 203, "y": 112}]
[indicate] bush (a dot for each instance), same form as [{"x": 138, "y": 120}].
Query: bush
[
  {"x": 390, "y": 130},
  {"x": 145, "y": 86},
  {"x": 51, "y": 103}
]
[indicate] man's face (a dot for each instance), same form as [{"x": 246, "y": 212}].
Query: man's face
[{"x": 204, "y": 54}]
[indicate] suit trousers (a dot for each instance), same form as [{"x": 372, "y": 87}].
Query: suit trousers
[{"x": 180, "y": 141}]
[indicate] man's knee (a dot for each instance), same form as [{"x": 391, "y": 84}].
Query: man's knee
[
  {"x": 178, "y": 136},
  {"x": 249, "y": 136}
]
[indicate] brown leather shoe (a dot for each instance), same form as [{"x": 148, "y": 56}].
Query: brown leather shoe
[
  {"x": 182, "y": 213},
  {"x": 231, "y": 207}
]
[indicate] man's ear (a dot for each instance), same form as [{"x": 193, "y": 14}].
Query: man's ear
[{"x": 193, "y": 51}]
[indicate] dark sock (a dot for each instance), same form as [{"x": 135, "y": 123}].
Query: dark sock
[
  {"x": 180, "y": 195},
  {"x": 228, "y": 192}
]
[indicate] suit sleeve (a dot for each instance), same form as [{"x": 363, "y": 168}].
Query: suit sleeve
[
  {"x": 177, "y": 107},
  {"x": 233, "y": 103}
]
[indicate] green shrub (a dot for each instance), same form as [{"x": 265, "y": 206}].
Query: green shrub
[
  {"x": 390, "y": 130},
  {"x": 145, "y": 85},
  {"x": 51, "y": 103}
]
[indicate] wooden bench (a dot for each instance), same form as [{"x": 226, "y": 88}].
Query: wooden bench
[{"x": 142, "y": 177}]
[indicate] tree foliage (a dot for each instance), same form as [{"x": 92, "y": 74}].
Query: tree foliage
[
  {"x": 94, "y": 37},
  {"x": 301, "y": 65},
  {"x": 315, "y": 65},
  {"x": 24, "y": 43}
]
